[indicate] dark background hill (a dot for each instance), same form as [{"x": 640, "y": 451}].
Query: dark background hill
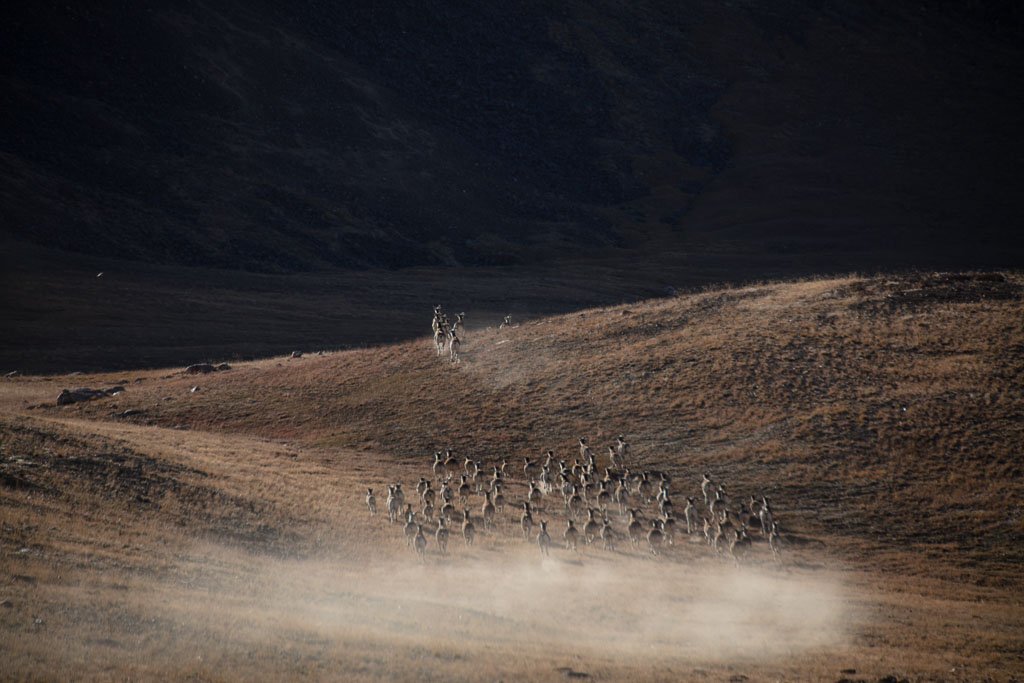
[
  {"x": 308, "y": 135},
  {"x": 677, "y": 142}
]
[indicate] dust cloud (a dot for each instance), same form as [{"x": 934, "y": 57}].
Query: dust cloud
[{"x": 652, "y": 606}]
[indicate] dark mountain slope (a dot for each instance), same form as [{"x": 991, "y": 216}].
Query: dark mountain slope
[{"x": 311, "y": 135}]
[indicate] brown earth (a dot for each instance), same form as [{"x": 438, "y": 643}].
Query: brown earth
[{"x": 221, "y": 534}]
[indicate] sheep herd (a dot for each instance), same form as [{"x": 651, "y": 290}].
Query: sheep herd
[
  {"x": 597, "y": 504},
  {"x": 620, "y": 504},
  {"x": 448, "y": 335}
]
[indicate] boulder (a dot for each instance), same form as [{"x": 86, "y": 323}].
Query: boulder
[
  {"x": 200, "y": 369},
  {"x": 69, "y": 396}
]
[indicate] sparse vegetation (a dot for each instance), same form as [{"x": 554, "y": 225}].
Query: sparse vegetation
[{"x": 880, "y": 416}]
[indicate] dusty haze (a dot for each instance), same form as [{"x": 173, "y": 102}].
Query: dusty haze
[{"x": 620, "y": 605}]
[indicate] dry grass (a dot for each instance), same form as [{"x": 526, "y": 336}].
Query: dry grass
[{"x": 206, "y": 537}]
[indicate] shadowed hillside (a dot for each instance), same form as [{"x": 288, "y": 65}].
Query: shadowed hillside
[
  {"x": 257, "y": 136},
  {"x": 526, "y": 158}
]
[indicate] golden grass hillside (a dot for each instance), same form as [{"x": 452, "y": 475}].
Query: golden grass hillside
[
  {"x": 880, "y": 409},
  {"x": 221, "y": 534}
]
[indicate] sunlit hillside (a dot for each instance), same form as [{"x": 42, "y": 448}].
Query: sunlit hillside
[{"x": 223, "y": 514}]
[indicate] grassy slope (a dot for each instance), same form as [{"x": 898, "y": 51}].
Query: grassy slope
[
  {"x": 63, "y": 318},
  {"x": 881, "y": 416},
  {"x": 862, "y": 400}
]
